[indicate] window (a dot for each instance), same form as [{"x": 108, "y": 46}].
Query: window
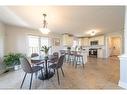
[
  {"x": 44, "y": 41},
  {"x": 35, "y": 43}
]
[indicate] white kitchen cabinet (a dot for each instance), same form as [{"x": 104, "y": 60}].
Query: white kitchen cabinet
[
  {"x": 67, "y": 40},
  {"x": 101, "y": 40},
  {"x": 65, "y": 37},
  {"x": 96, "y": 38},
  {"x": 80, "y": 41},
  {"x": 85, "y": 41},
  {"x": 70, "y": 40},
  {"x": 91, "y": 39},
  {"x": 100, "y": 53}
]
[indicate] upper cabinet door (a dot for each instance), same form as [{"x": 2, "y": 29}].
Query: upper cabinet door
[
  {"x": 67, "y": 40},
  {"x": 86, "y": 41},
  {"x": 101, "y": 40},
  {"x": 80, "y": 41},
  {"x": 83, "y": 41}
]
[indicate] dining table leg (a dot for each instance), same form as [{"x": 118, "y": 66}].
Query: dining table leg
[{"x": 47, "y": 74}]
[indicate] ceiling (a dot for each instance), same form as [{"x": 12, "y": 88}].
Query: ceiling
[{"x": 76, "y": 20}]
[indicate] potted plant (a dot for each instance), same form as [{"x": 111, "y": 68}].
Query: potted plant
[
  {"x": 45, "y": 49},
  {"x": 11, "y": 60},
  {"x": 68, "y": 48}
]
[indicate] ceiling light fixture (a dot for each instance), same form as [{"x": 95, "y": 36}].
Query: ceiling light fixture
[
  {"x": 44, "y": 30},
  {"x": 93, "y": 32}
]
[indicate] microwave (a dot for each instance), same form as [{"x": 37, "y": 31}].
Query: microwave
[{"x": 93, "y": 42}]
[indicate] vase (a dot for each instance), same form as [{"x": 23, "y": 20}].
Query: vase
[{"x": 46, "y": 55}]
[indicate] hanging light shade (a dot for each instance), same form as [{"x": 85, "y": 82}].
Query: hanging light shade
[{"x": 44, "y": 29}]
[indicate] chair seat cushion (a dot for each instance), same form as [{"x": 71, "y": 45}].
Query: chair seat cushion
[
  {"x": 36, "y": 68},
  {"x": 53, "y": 66},
  {"x": 41, "y": 62},
  {"x": 37, "y": 62}
]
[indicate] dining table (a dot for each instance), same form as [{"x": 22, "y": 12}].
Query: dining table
[{"x": 47, "y": 73}]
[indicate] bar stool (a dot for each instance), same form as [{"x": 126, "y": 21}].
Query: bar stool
[
  {"x": 68, "y": 55},
  {"x": 72, "y": 57},
  {"x": 79, "y": 59}
]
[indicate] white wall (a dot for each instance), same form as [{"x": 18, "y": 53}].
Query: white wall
[
  {"x": 16, "y": 39},
  {"x": 2, "y": 31},
  {"x": 123, "y": 58}
]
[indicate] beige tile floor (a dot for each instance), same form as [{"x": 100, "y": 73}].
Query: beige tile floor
[{"x": 97, "y": 74}]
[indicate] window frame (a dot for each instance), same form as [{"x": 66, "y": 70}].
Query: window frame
[{"x": 39, "y": 41}]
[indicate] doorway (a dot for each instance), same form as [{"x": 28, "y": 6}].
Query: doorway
[{"x": 115, "y": 46}]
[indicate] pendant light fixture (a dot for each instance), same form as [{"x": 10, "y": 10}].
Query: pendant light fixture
[{"x": 44, "y": 29}]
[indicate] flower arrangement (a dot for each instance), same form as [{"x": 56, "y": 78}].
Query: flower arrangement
[{"x": 45, "y": 49}]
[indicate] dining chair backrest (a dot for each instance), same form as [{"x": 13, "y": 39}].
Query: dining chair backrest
[
  {"x": 56, "y": 56},
  {"x": 25, "y": 65},
  {"x": 62, "y": 52},
  {"x": 34, "y": 55},
  {"x": 60, "y": 61}
]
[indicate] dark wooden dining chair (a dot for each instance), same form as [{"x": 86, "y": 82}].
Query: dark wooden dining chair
[
  {"x": 29, "y": 70},
  {"x": 58, "y": 66}
]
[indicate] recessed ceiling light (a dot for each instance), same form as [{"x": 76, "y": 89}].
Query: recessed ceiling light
[{"x": 92, "y": 32}]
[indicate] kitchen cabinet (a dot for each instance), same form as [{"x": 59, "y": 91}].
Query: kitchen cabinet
[
  {"x": 67, "y": 40},
  {"x": 81, "y": 42},
  {"x": 91, "y": 39},
  {"x": 100, "y": 40},
  {"x": 70, "y": 40},
  {"x": 101, "y": 53},
  {"x": 85, "y": 41}
]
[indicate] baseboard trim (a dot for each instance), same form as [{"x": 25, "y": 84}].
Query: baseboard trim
[{"x": 123, "y": 84}]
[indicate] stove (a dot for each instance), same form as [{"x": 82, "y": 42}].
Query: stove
[{"x": 93, "y": 52}]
